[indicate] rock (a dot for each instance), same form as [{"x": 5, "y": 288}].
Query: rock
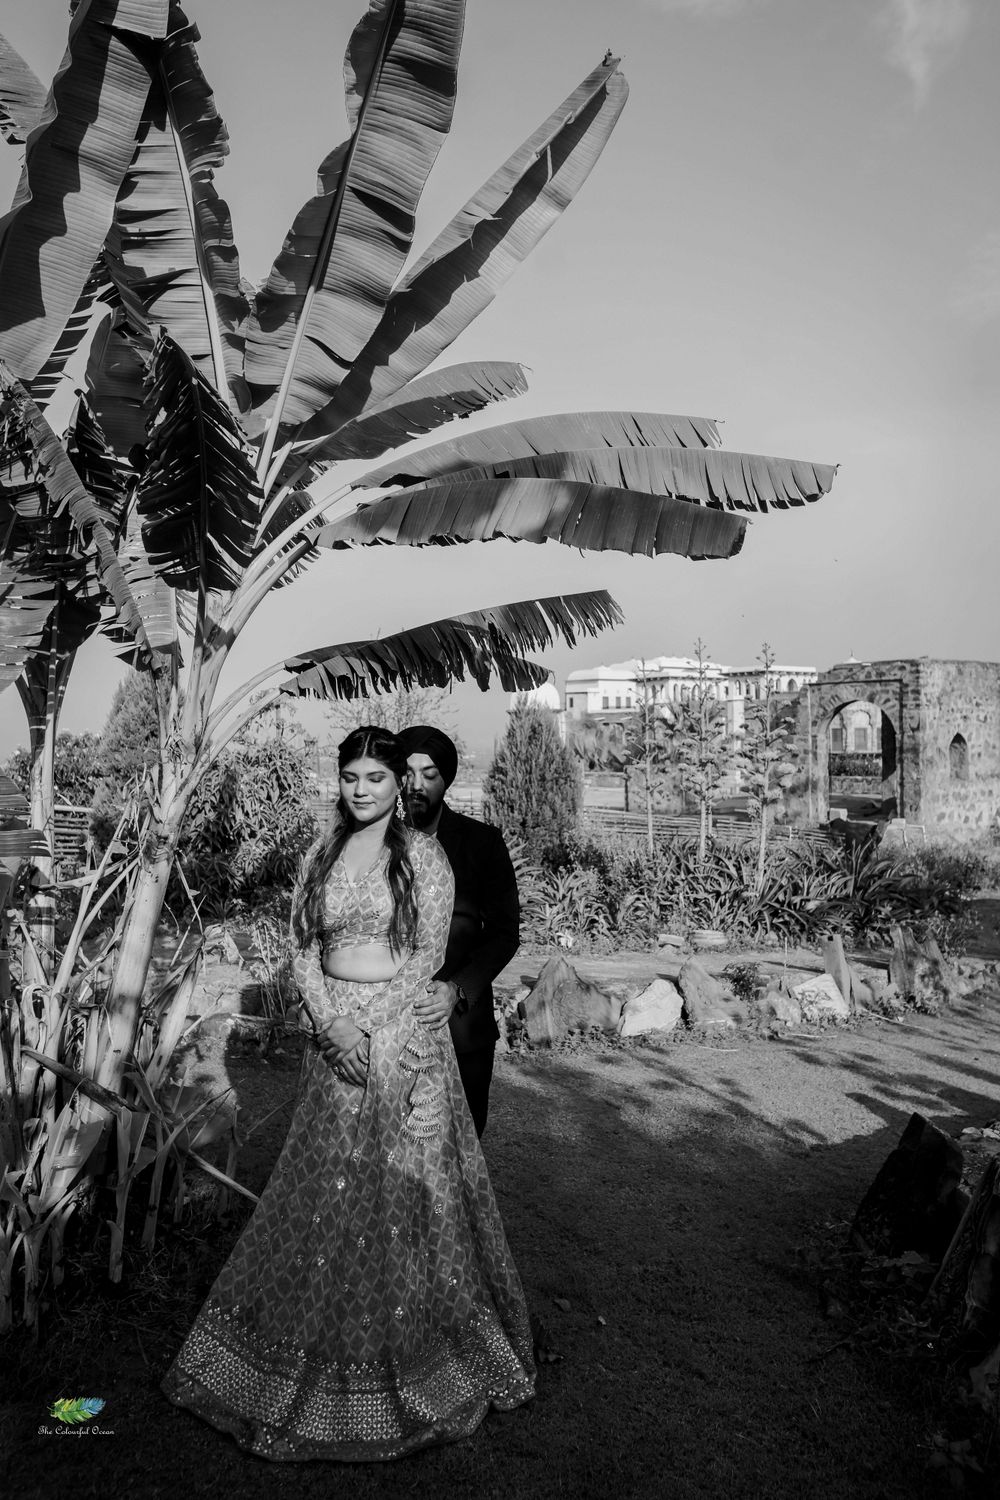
[
  {"x": 784, "y": 1008},
  {"x": 561, "y": 1002},
  {"x": 821, "y": 999},
  {"x": 891, "y": 1000},
  {"x": 836, "y": 965},
  {"x": 921, "y": 973},
  {"x": 915, "y": 1202},
  {"x": 657, "y": 1008},
  {"x": 670, "y": 940},
  {"x": 219, "y": 940},
  {"x": 707, "y": 1002},
  {"x": 863, "y": 996}
]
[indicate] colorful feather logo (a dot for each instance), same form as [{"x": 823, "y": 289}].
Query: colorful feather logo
[{"x": 77, "y": 1409}]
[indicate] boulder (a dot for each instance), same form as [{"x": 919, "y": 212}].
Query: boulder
[
  {"x": 781, "y": 1007},
  {"x": 707, "y": 1002},
  {"x": 863, "y": 996},
  {"x": 915, "y": 1202},
  {"x": 657, "y": 1008},
  {"x": 836, "y": 965},
  {"x": 561, "y": 1003},
  {"x": 921, "y": 973},
  {"x": 821, "y": 999}
]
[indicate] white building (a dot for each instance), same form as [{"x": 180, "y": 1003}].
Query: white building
[
  {"x": 620, "y": 687},
  {"x": 544, "y": 696}
]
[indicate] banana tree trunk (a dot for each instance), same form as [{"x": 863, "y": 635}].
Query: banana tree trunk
[
  {"x": 42, "y": 688},
  {"x": 135, "y": 954}
]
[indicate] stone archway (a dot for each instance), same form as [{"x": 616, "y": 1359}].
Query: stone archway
[
  {"x": 889, "y": 693},
  {"x": 862, "y": 763}
]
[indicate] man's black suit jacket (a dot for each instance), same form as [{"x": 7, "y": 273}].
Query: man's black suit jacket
[{"x": 485, "y": 924}]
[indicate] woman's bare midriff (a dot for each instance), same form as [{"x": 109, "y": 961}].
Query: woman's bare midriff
[{"x": 365, "y": 965}]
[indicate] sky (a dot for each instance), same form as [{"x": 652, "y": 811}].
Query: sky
[{"x": 794, "y": 228}]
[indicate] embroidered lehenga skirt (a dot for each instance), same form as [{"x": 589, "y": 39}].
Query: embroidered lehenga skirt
[{"x": 371, "y": 1306}]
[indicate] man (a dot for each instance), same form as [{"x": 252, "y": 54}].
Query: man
[{"x": 484, "y": 934}]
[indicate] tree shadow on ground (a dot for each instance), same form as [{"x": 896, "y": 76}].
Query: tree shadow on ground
[{"x": 661, "y": 1195}]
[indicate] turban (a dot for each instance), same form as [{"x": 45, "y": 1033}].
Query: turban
[{"x": 422, "y": 739}]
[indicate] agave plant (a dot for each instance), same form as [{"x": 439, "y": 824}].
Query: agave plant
[{"x": 218, "y": 412}]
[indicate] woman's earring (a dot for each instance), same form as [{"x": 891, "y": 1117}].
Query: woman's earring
[{"x": 400, "y": 807}]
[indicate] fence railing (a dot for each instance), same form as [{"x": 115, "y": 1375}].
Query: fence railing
[
  {"x": 725, "y": 830},
  {"x": 72, "y": 824},
  {"x": 611, "y": 822}
]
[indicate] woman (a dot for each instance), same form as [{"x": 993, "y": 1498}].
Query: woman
[{"x": 371, "y": 1306}]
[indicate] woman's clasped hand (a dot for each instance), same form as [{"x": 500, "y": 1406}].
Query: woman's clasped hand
[{"x": 346, "y": 1048}]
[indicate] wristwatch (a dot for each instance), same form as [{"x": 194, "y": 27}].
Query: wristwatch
[{"x": 462, "y": 1003}]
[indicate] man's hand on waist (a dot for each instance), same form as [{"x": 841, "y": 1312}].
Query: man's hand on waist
[{"x": 434, "y": 1009}]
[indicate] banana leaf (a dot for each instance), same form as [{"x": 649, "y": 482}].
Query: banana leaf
[
  {"x": 17, "y": 844},
  {"x": 422, "y": 406},
  {"x": 97, "y": 293},
  {"x": 171, "y": 246},
  {"x": 114, "y": 383},
  {"x": 64, "y": 488},
  {"x": 75, "y": 160},
  {"x": 22, "y": 96},
  {"x": 433, "y": 655},
  {"x": 712, "y": 477},
  {"x": 98, "y": 466},
  {"x": 49, "y": 586},
  {"x": 13, "y": 802},
  {"x": 172, "y": 1008},
  {"x": 199, "y": 496},
  {"x": 464, "y": 268},
  {"x": 330, "y": 284},
  {"x": 155, "y": 599},
  {"x": 589, "y": 516},
  {"x": 28, "y": 602},
  {"x": 551, "y": 434}
]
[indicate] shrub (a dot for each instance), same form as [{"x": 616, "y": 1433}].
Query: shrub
[
  {"x": 966, "y": 868},
  {"x": 248, "y": 825},
  {"x": 78, "y": 768},
  {"x": 532, "y": 790},
  {"x": 600, "y": 894}
]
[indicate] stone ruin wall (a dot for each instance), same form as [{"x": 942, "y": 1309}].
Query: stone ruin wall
[
  {"x": 894, "y": 687},
  {"x": 959, "y": 697},
  {"x": 928, "y": 702}
]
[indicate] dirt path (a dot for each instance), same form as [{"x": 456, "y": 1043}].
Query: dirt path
[{"x": 663, "y": 1193}]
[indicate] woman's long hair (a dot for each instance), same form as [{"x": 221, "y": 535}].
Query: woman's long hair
[{"x": 308, "y": 911}]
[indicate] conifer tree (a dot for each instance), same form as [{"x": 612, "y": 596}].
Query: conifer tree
[
  {"x": 128, "y": 746},
  {"x": 532, "y": 790}
]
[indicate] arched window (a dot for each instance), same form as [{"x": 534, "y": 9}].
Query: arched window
[
  {"x": 793, "y": 686},
  {"x": 958, "y": 758}
]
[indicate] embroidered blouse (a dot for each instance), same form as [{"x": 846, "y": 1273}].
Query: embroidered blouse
[{"x": 359, "y": 912}]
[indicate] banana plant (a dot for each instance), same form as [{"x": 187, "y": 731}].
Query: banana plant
[{"x": 229, "y": 410}]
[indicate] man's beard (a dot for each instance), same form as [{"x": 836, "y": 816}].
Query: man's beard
[{"x": 420, "y": 811}]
